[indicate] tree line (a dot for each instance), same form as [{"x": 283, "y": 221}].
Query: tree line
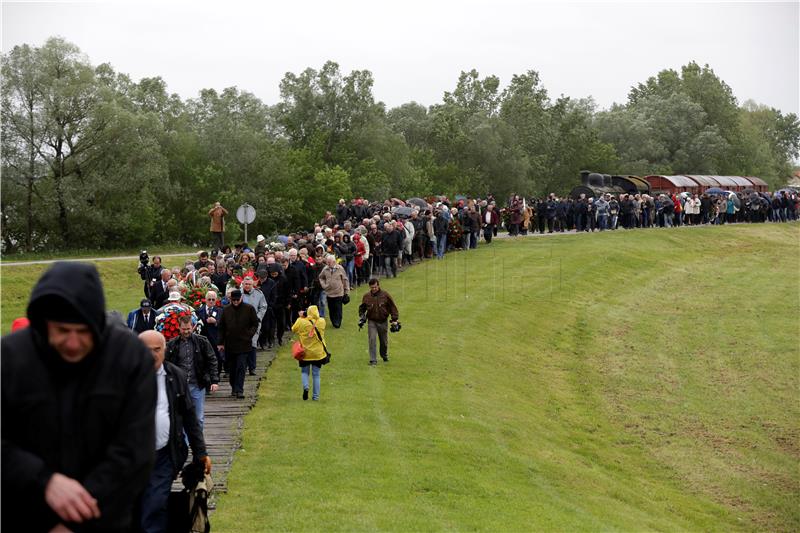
[{"x": 93, "y": 159}]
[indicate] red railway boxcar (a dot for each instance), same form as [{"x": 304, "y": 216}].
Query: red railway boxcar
[
  {"x": 726, "y": 183},
  {"x": 671, "y": 184},
  {"x": 703, "y": 182},
  {"x": 759, "y": 185}
]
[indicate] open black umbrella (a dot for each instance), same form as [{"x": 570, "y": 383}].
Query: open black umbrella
[
  {"x": 402, "y": 211},
  {"x": 716, "y": 190},
  {"x": 419, "y": 202}
]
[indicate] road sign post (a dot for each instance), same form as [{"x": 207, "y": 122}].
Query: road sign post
[{"x": 246, "y": 214}]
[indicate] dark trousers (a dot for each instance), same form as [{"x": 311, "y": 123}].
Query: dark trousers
[
  {"x": 237, "y": 368},
  {"x": 335, "y": 310},
  {"x": 487, "y": 234},
  {"x": 262, "y": 331},
  {"x": 153, "y": 518},
  {"x": 275, "y": 323},
  {"x": 389, "y": 266},
  {"x": 219, "y": 239},
  {"x": 296, "y": 304},
  {"x": 220, "y": 357},
  {"x": 251, "y": 360}
]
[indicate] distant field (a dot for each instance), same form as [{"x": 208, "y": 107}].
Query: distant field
[
  {"x": 123, "y": 287},
  {"x": 644, "y": 380},
  {"x": 84, "y": 254}
]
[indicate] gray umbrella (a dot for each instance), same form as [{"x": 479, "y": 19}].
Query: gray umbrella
[
  {"x": 402, "y": 211},
  {"x": 419, "y": 202}
]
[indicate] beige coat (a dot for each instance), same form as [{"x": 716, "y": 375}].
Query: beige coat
[
  {"x": 217, "y": 215},
  {"x": 334, "y": 281}
]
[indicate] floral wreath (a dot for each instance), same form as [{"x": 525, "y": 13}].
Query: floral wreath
[{"x": 167, "y": 321}]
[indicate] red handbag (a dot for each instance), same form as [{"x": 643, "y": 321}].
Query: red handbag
[{"x": 298, "y": 352}]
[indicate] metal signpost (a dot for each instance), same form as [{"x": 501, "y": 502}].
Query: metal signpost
[{"x": 246, "y": 214}]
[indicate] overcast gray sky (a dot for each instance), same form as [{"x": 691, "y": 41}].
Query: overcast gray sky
[{"x": 416, "y": 49}]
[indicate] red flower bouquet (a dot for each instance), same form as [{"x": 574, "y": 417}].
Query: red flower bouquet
[
  {"x": 167, "y": 322},
  {"x": 195, "y": 295}
]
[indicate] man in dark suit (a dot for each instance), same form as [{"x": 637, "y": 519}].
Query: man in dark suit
[
  {"x": 209, "y": 315},
  {"x": 159, "y": 291},
  {"x": 144, "y": 318}
]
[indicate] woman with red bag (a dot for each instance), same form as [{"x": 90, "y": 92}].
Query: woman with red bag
[{"x": 310, "y": 350}]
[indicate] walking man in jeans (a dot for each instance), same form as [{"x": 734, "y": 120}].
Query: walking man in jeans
[
  {"x": 376, "y": 307},
  {"x": 194, "y": 355}
]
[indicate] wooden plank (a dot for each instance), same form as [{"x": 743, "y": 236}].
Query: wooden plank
[{"x": 224, "y": 422}]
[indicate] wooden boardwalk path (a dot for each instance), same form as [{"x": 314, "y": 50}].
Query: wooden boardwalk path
[{"x": 224, "y": 421}]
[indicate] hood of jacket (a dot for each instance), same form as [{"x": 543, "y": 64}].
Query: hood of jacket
[
  {"x": 312, "y": 313},
  {"x": 70, "y": 291}
]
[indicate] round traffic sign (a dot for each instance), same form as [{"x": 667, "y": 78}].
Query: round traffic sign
[{"x": 246, "y": 214}]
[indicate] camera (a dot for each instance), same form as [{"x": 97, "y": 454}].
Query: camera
[
  {"x": 395, "y": 327},
  {"x": 144, "y": 259}
]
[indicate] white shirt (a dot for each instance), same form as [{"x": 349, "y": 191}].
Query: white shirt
[{"x": 162, "y": 409}]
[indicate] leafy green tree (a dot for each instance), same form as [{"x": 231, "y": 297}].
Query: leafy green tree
[{"x": 22, "y": 103}]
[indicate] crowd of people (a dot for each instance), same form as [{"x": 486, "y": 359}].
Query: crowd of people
[
  {"x": 205, "y": 318},
  {"x": 359, "y": 241},
  {"x": 628, "y": 211}
]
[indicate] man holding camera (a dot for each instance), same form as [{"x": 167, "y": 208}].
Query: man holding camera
[
  {"x": 376, "y": 308},
  {"x": 150, "y": 273}
]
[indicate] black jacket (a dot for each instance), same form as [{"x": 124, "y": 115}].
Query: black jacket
[
  {"x": 92, "y": 421},
  {"x": 203, "y": 359},
  {"x": 440, "y": 225},
  {"x": 220, "y": 280},
  {"x": 238, "y": 325},
  {"x": 280, "y": 292},
  {"x": 297, "y": 277},
  {"x": 392, "y": 242},
  {"x": 342, "y": 213},
  {"x": 158, "y": 296},
  {"x": 182, "y": 418}
]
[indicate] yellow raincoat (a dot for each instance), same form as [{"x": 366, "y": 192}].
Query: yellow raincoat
[{"x": 304, "y": 328}]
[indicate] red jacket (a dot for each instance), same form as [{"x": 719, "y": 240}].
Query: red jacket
[{"x": 360, "y": 251}]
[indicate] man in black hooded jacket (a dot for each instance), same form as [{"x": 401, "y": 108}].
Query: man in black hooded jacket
[{"x": 78, "y": 397}]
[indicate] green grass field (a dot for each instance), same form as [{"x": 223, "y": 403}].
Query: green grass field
[
  {"x": 123, "y": 287},
  {"x": 647, "y": 380}
]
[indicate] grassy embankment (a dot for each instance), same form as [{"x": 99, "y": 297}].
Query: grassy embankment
[
  {"x": 633, "y": 381},
  {"x": 630, "y": 381}
]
